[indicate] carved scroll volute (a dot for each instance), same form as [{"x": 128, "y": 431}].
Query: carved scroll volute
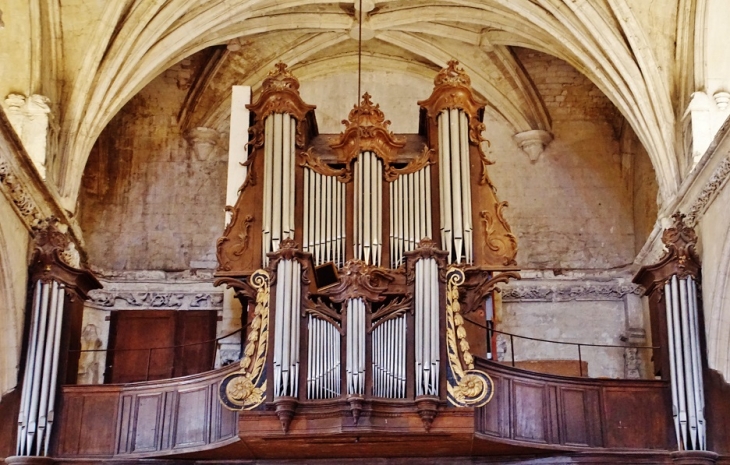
[
  {"x": 366, "y": 129},
  {"x": 239, "y": 249}
]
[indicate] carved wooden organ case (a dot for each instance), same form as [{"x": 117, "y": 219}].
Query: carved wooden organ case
[{"x": 358, "y": 256}]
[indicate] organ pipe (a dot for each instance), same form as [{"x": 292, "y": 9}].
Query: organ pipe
[
  {"x": 286, "y": 336},
  {"x": 279, "y": 176},
  {"x": 323, "y": 219},
  {"x": 684, "y": 362},
  {"x": 39, "y": 386},
  {"x": 410, "y": 212},
  {"x": 323, "y": 371},
  {"x": 355, "y": 346},
  {"x": 427, "y": 352},
  {"x": 389, "y": 358},
  {"x": 368, "y": 215},
  {"x": 455, "y": 185}
]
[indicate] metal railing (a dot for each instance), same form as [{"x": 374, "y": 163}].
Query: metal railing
[
  {"x": 491, "y": 332},
  {"x": 212, "y": 342}
]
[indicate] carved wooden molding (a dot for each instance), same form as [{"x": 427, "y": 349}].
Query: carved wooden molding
[
  {"x": 393, "y": 309},
  {"x": 452, "y": 89},
  {"x": 55, "y": 258},
  {"x": 366, "y": 129},
  {"x": 280, "y": 95},
  {"x": 360, "y": 280},
  {"x": 310, "y": 160},
  {"x": 503, "y": 245},
  {"x": 427, "y": 248},
  {"x": 680, "y": 259}
]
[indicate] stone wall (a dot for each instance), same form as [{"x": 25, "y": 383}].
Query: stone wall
[
  {"x": 13, "y": 292},
  {"x": 148, "y": 200}
]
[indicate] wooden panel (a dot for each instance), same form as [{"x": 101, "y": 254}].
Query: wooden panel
[
  {"x": 631, "y": 418},
  {"x": 194, "y": 330},
  {"x": 147, "y": 422},
  {"x": 134, "y": 337},
  {"x": 574, "y": 421},
  {"x": 85, "y": 426},
  {"x": 181, "y": 414},
  {"x": 193, "y": 417},
  {"x": 576, "y": 413},
  {"x": 529, "y": 411}
]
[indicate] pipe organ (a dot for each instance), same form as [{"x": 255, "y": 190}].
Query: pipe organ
[
  {"x": 671, "y": 287},
  {"x": 59, "y": 290},
  {"x": 365, "y": 205}
]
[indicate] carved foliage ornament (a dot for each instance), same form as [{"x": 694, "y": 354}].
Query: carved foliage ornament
[
  {"x": 680, "y": 241},
  {"x": 466, "y": 387},
  {"x": 360, "y": 280},
  {"x": 366, "y": 129},
  {"x": 245, "y": 389}
]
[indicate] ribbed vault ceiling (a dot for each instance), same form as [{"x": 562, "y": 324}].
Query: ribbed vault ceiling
[{"x": 601, "y": 38}]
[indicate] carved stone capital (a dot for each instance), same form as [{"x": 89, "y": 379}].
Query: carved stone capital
[
  {"x": 533, "y": 142},
  {"x": 203, "y": 142}
]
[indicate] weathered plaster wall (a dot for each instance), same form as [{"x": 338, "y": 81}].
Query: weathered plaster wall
[
  {"x": 570, "y": 208},
  {"x": 13, "y": 291},
  {"x": 148, "y": 201}
]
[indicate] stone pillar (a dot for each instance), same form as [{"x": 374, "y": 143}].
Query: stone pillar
[
  {"x": 59, "y": 289},
  {"x": 671, "y": 286}
]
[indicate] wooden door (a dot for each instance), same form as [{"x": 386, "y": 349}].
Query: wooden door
[{"x": 159, "y": 344}]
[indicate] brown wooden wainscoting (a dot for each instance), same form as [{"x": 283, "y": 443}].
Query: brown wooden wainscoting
[
  {"x": 145, "y": 419},
  {"x": 573, "y": 413}
]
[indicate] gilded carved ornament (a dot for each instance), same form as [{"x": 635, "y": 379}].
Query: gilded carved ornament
[
  {"x": 466, "y": 387},
  {"x": 245, "y": 389}
]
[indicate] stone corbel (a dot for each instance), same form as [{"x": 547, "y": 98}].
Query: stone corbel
[
  {"x": 203, "y": 142},
  {"x": 533, "y": 142}
]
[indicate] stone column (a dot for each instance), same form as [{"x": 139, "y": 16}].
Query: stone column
[
  {"x": 671, "y": 286},
  {"x": 59, "y": 287}
]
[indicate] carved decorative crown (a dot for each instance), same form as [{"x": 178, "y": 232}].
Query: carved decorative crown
[
  {"x": 366, "y": 129},
  {"x": 452, "y": 75},
  {"x": 367, "y": 115},
  {"x": 280, "y": 78}
]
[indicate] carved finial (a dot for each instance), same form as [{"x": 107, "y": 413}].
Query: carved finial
[
  {"x": 367, "y": 114},
  {"x": 281, "y": 78},
  {"x": 452, "y": 75},
  {"x": 680, "y": 241}
]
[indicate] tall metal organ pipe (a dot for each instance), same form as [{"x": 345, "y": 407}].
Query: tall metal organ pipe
[
  {"x": 455, "y": 187},
  {"x": 286, "y": 336},
  {"x": 427, "y": 351},
  {"x": 279, "y": 166},
  {"x": 37, "y": 401},
  {"x": 685, "y": 365},
  {"x": 355, "y": 365}
]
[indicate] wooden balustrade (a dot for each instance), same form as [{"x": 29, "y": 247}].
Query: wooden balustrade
[{"x": 154, "y": 418}]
